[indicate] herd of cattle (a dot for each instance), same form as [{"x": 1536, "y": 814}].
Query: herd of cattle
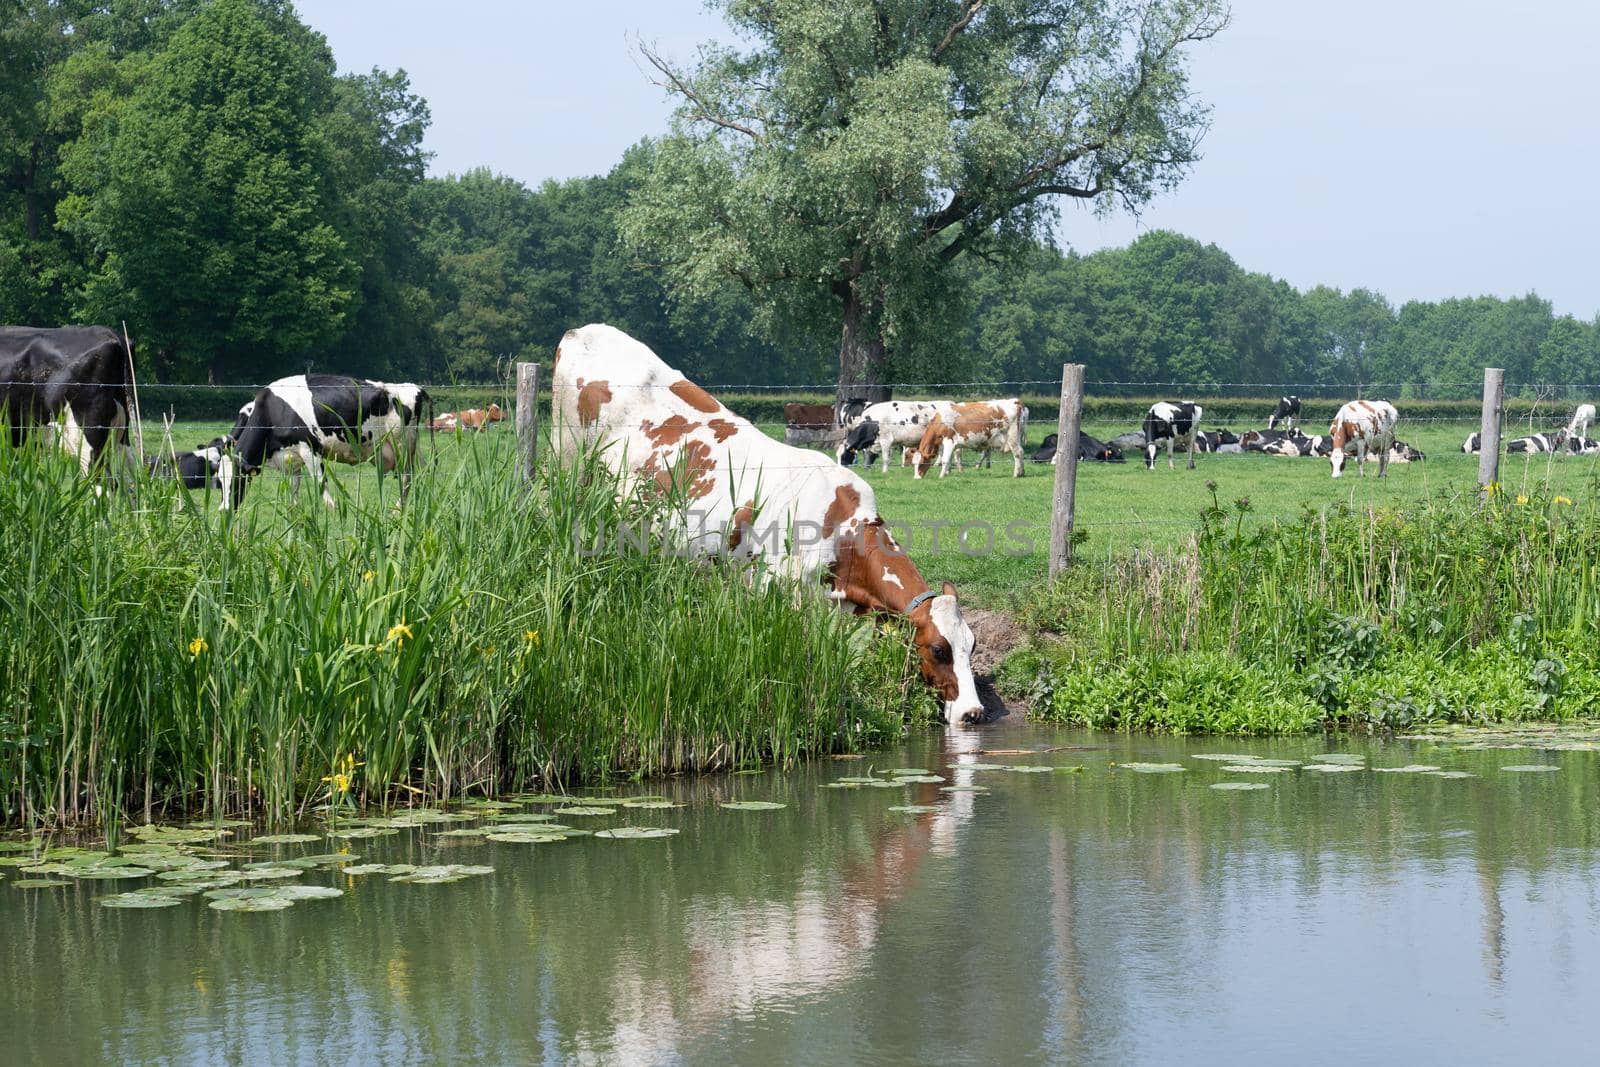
[{"x": 925, "y": 430}]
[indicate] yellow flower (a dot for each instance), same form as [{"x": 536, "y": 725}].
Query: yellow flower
[
  {"x": 344, "y": 774},
  {"x": 366, "y": 576},
  {"x": 1563, "y": 500},
  {"x": 1521, "y": 499},
  {"x": 532, "y": 637},
  {"x": 398, "y": 635},
  {"x": 1491, "y": 488},
  {"x": 488, "y": 652},
  {"x": 197, "y": 646}
]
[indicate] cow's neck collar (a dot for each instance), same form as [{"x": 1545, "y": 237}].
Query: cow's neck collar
[{"x": 925, "y": 595}]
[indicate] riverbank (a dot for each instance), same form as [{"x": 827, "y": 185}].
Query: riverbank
[{"x": 1376, "y": 618}]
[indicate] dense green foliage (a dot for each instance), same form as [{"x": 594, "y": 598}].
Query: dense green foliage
[
  {"x": 159, "y": 658},
  {"x": 847, "y": 157},
  {"x": 198, "y": 169},
  {"x": 1374, "y": 618}
]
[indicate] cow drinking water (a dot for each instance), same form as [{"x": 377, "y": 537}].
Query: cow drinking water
[{"x": 737, "y": 492}]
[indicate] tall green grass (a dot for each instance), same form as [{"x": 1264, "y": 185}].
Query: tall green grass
[
  {"x": 157, "y": 656},
  {"x": 1443, "y": 610}
]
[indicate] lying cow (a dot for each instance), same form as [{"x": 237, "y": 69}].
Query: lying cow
[
  {"x": 899, "y": 424},
  {"x": 1287, "y": 412},
  {"x": 296, "y": 422},
  {"x": 1583, "y": 445},
  {"x": 1218, "y": 441},
  {"x": 1539, "y": 442},
  {"x": 1400, "y": 452},
  {"x": 1090, "y": 450},
  {"x": 743, "y": 494},
  {"x": 1473, "y": 443},
  {"x": 982, "y": 425},
  {"x": 1132, "y": 441},
  {"x": 478, "y": 419},
  {"x": 69, "y": 381},
  {"x": 1363, "y": 427},
  {"x": 1174, "y": 423}
]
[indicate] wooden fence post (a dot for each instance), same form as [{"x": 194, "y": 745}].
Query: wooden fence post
[
  {"x": 1064, "y": 497},
  {"x": 1494, "y": 402},
  {"x": 528, "y": 417}
]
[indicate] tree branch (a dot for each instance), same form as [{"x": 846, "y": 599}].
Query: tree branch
[
  {"x": 960, "y": 24},
  {"x": 702, "y": 110}
]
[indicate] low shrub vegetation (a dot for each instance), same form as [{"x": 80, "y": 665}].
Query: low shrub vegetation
[
  {"x": 159, "y": 656},
  {"x": 1371, "y": 618}
]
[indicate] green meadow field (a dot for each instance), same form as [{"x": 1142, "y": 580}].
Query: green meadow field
[{"x": 1121, "y": 507}]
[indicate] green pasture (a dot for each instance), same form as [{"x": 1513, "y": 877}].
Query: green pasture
[{"x": 1120, "y": 506}]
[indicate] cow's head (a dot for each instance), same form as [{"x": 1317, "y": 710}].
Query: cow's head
[
  {"x": 927, "y": 450},
  {"x": 496, "y": 413},
  {"x": 944, "y": 649},
  {"x": 209, "y": 467}
]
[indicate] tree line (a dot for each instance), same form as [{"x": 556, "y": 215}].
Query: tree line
[{"x": 199, "y": 169}]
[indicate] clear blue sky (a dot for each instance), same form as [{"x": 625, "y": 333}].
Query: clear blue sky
[{"x": 1424, "y": 150}]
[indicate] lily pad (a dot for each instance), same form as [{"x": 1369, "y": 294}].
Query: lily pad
[
  {"x": 1251, "y": 768},
  {"x": 1450, "y": 774},
  {"x": 19, "y": 861},
  {"x": 520, "y": 816},
  {"x": 267, "y": 903},
  {"x": 519, "y": 838},
  {"x": 543, "y": 798},
  {"x": 1223, "y": 757},
  {"x": 1410, "y": 768},
  {"x": 651, "y": 805},
  {"x": 929, "y": 779},
  {"x": 1333, "y": 768},
  {"x": 1340, "y": 757},
  {"x": 841, "y": 785},
  {"x": 360, "y": 832},
  {"x": 453, "y": 872},
  {"x": 38, "y": 883},
  {"x": 908, "y": 770},
  {"x": 1530, "y": 767},
  {"x": 635, "y": 833},
  {"x": 106, "y": 874},
  {"x": 585, "y": 809},
  {"x": 915, "y": 809},
  {"x": 379, "y": 868},
  {"x": 857, "y": 780},
  {"x": 17, "y": 846},
  {"x": 139, "y": 900},
  {"x": 467, "y": 831},
  {"x": 267, "y": 874},
  {"x": 1150, "y": 768},
  {"x": 310, "y": 892},
  {"x": 1238, "y": 786},
  {"x": 285, "y": 839},
  {"x": 982, "y": 766},
  {"x": 753, "y": 805},
  {"x": 490, "y": 805}
]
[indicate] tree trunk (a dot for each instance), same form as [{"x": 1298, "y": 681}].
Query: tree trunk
[{"x": 863, "y": 359}]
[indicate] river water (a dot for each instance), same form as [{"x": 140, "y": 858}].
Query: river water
[{"x": 1095, "y": 915}]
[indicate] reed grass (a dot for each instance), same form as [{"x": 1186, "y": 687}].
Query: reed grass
[
  {"x": 157, "y": 656},
  {"x": 1377, "y": 617}
]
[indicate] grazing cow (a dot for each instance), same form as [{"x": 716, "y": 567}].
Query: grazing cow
[
  {"x": 1473, "y": 443},
  {"x": 737, "y": 492},
  {"x": 983, "y": 425},
  {"x": 862, "y": 437},
  {"x": 1287, "y": 412},
  {"x": 901, "y": 424},
  {"x": 1578, "y": 425},
  {"x": 296, "y": 422},
  {"x": 1175, "y": 422},
  {"x": 1090, "y": 450},
  {"x": 1539, "y": 442},
  {"x": 1363, "y": 426},
  {"x": 207, "y": 466},
  {"x": 70, "y": 381}
]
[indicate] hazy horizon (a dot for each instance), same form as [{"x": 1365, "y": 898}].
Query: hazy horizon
[{"x": 1388, "y": 148}]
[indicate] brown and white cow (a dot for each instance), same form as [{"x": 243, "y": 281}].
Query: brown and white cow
[
  {"x": 1362, "y": 427},
  {"x": 982, "y": 425},
  {"x": 734, "y": 491}
]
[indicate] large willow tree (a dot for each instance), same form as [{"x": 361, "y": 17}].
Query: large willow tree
[{"x": 850, "y": 151}]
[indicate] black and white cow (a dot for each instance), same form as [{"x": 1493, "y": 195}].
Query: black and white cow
[
  {"x": 72, "y": 383},
  {"x": 860, "y": 439},
  {"x": 1400, "y": 452},
  {"x": 1218, "y": 441},
  {"x": 1287, "y": 412},
  {"x": 297, "y": 422},
  {"x": 1132, "y": 441},
  {"x": 1473, "y": 443},
  {"x": 1175, "y": 422},
  {"x": 1539, "y": 442},
  {"x": 1090, "y": 450},
  {"x": 1583, "y": 445},
  {"x": 1261, "y": 440}
]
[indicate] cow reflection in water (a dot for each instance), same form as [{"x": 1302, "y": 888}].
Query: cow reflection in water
[{"x": 751, "y": 956}]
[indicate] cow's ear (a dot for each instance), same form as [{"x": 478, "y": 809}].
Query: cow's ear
[{"x": 949, "y": 589}]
